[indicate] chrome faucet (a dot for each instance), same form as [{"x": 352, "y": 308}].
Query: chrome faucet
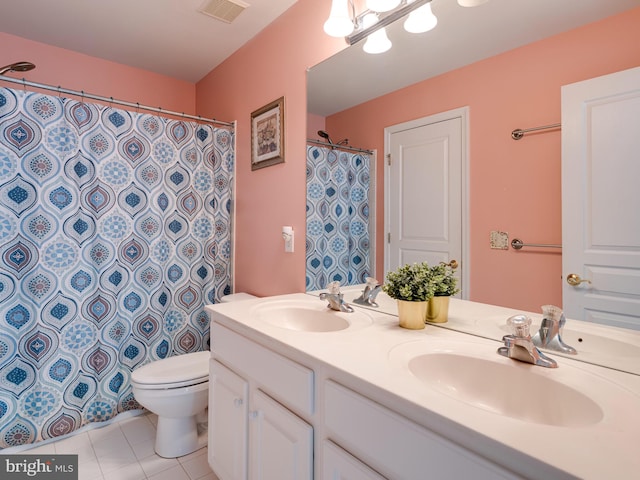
[
  {"x": 335, "y": 298},
  {"x": 369, "y": 294},
  {"x": 550, "y": 334},
  {"x": 519, "y": 346}
]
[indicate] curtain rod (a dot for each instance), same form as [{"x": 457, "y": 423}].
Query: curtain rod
[
  {"x": 339, "y": 147},
  {"x": 111, "y": 100}
]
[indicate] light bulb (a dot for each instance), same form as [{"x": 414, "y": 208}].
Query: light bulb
[
  {"x": 471, "y": 3},
  {"x": 377, "y": 42},
  {"x": 382, "y": 5},
  {"x": 421, "y": 20},
  {"x": 339, "y": 23}
]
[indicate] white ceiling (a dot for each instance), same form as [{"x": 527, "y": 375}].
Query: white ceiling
[{"x": 169, "y": 37}]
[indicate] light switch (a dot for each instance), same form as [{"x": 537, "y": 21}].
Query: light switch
[{"x": 287, "y": 235}]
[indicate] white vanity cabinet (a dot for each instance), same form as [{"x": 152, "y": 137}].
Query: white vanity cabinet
[
  {"x": 395, "y": 446},
  {"x": 338, "y": 464},
  {"x": 281, "y": 443},
  {"x": 253, "y": 430},
  {"x": 228, "y": 418}
]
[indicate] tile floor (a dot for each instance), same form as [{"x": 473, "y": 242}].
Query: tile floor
[{"x": 124, "y": 451}]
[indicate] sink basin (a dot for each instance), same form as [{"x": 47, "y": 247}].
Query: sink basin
[
  {"x": 511, "y": 389},
  {"x": 477, "y": 376},
  {"x": 309, "y": 316}
]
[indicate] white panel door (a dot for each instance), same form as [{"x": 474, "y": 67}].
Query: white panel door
[
  {"x": 601, "y": 199},
  {"x": 425, "y": 193}
]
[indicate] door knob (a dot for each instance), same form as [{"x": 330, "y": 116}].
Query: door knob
[
  {"x": 575, "y": 280},
  {"x": 453, "y": 264}
]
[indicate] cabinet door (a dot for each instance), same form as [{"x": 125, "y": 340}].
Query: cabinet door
[
  {"x": 228, "y": 410},
  {"x": 340, "y": 465},
  {"x": 281, "y": 445}
]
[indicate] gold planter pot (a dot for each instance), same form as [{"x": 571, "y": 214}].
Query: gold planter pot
[
  {"x": 411, "y": 315},
  {"x": 438, "y": 309}
]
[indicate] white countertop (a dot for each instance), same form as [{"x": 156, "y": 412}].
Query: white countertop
[{"x": 373, "y": 354}]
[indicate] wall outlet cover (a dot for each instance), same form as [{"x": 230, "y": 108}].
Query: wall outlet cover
[{"x": 499, "y": 240}]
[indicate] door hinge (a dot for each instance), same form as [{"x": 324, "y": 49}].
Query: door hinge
[
  {"x": 389, "y": 159},
  {"x": 389, "y": 237}
]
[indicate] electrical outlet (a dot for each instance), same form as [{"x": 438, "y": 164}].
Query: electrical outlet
[{"x": 499, "y": 240}]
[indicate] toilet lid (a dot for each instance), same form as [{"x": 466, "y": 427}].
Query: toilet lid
[{"x": 190, "y": 368}]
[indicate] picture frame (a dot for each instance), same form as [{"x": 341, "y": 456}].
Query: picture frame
[{"x": 267, "y": 135}]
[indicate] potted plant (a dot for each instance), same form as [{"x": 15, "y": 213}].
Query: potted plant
[
  {"x": 411, "y": 287},
  {"x": 444, "y": 284}
]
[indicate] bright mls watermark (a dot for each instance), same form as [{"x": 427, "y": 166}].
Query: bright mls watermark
[{"x": 49, "y": 467}]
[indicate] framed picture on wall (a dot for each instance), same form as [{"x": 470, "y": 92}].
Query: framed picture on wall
[{"x": 267, "y": 135}]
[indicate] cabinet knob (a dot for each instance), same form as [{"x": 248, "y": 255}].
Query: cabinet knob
[{"x": 237, "y": 402}]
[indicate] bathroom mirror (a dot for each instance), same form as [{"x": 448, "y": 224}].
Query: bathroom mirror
[{"x": 352, "y": 77}]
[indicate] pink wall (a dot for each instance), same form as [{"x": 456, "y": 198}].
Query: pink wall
[
  {"x": 315, "y": 123},
  {"x": 514, "y": 185},
  {"x": 520, "y": 88},
  {"x": 271, "y": 65},
  {"x": 76, "y": 71}
]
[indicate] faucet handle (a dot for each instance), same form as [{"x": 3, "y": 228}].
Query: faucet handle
[
  {"x": 334, "y": 288},
  {"x": 371, "y": 282},
  {"x": 520, "y": 326}
]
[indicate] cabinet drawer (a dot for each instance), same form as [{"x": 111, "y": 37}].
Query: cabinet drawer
[
  {"x": 395, "y": 446},
  {"x": 284, "y": 379},
  {"x": 340, "y": 465}
]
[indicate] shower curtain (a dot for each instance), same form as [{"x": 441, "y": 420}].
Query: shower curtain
[
  {"x": 337, "y": 246},
  {"x": 114, "y": 234}
]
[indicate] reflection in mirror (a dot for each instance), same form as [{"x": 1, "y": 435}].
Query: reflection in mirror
[
  {"x": 338, "y": 245},
  {"x": 607, "y": 346},
  {"x": 464, "y": 36}
]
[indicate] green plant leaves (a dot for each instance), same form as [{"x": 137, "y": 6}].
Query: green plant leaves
[{"x": 419, "y": 282}]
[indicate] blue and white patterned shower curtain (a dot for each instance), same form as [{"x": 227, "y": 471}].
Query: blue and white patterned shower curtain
[
  {"x": 114, "y": 234},
  {"x": 337, "y": 217}
]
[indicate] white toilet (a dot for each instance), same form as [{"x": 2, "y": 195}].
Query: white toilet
[{"x": 177, "y": 390}]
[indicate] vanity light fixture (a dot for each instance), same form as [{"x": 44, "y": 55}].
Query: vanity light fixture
[
  {"x": 421, "y": 20},
  {"x": 471, "y": 3},
  {"x": 377, "y": 42},
  {"x": 340, "y": 22},
  {"x": 382, "y": 5},
  {"x": 343, "y": 21}
]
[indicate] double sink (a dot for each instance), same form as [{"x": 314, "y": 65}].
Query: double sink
[{"x": 467, "y": 372}]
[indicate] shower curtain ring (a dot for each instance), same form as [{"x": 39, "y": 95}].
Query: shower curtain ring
[
  {"x": 82, "y": 96},
  {"x": 59, "y": 92},
  {"x": 137, "y": 107},
  {"x": 24, "y": 84},
  {"x": 110, "y": 102}
]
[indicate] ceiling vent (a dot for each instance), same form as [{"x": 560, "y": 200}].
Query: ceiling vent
[{"x": 224, "y": 10}]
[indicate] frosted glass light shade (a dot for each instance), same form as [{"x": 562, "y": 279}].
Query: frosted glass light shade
[
  {"x": 471, "y": 3},
  {"x": 377, "y": 42},
  {"x": 382, "y": 5},
  {"x": 339, "y": 23},
  {"x": 421, "y": 20}
]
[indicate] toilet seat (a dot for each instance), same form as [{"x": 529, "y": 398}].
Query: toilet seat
[{"x": 173, "y": 372}]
